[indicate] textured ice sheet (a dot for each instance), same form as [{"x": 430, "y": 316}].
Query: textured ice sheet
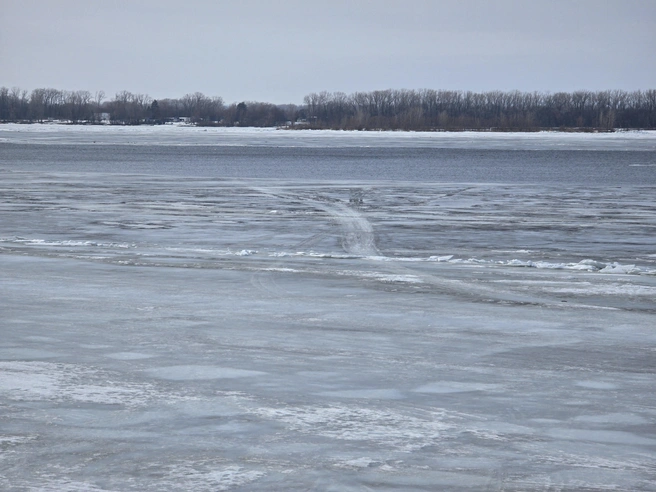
[{"x": 173, "y": 334}]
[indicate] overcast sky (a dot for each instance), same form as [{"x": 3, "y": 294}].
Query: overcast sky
[{"x": 280, "y": 50}]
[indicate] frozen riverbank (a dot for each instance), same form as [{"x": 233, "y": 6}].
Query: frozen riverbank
[{"x": 173, "y": 135}]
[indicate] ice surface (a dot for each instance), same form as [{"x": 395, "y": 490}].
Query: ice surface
[
  {"x": 191, "y": 372},
  {"x": 172, "y": 135},
  {"x": 171, "y": 333}
]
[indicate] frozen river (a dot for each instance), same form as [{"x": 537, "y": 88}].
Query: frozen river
[{"x": 270, "y": 310}]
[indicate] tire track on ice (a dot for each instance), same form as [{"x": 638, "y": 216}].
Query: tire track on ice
[
  {"x": 357, "y": 232},
  {"x": 358, "y": 239},
  {"x": 356, "y": 235}
]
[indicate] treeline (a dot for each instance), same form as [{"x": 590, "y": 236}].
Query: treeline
[
  {"x": 377, "y": 110},
  {"x": 126, "y": 108},
  {"x": 455, "y": 110}
]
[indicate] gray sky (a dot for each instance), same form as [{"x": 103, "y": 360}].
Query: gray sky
[{"x": 278, "y": 51}]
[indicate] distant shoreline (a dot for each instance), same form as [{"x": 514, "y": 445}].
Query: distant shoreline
[
  {"x": 188, "y": 135},
  {"x": 380, "y": 110},
  {"x": 298, "y": 127}
]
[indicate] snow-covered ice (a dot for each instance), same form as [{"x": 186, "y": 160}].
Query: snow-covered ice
[
  {"x": 172, "y": 135},
  {"x": 172, "y": 333}
]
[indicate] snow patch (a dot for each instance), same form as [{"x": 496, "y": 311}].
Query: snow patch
[
  {"x": 382, "y": 426},
  {"x": 33, "y": 381},
  {"x": 220, "y": 478}
]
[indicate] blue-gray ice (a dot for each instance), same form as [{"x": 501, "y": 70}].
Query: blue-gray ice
[{"x": 177, "y": 333}]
